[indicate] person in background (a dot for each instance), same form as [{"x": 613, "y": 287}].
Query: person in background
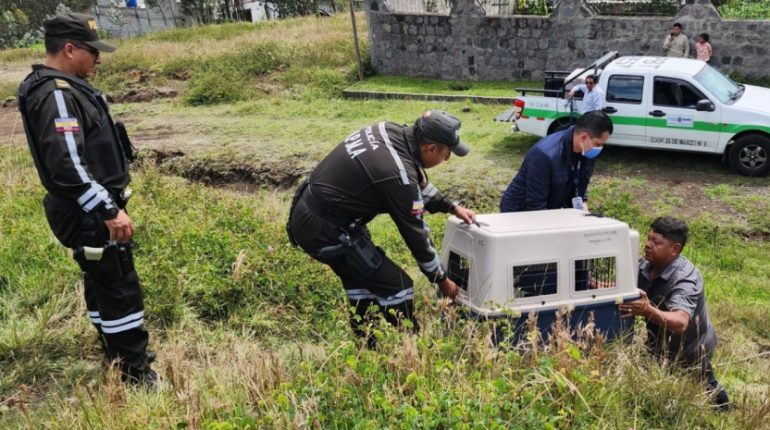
[
  {"x": 676, "y": 44},
  {"x": 703, "y": 48},
  {"x": 593, "y": 95}
]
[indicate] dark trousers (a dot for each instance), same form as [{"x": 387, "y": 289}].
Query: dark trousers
[
  {"x": 721, "y": 399},
  {"x": 112, "y": 290},
  {"x": 700, "y": 366},
  {"x": 389, "y": 291}
]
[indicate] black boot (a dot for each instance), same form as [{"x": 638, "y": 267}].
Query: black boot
[
  {"x": 721, "y": 400},
  {"x": 146, "y": 377}
]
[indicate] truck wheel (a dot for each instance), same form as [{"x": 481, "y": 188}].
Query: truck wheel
[
  {"x": 560, "y": 124},
  {"x": 750, "y": 155}
]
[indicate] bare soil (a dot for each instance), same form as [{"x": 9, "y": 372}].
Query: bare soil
[
  {"x": 11, "y": 128},
  {"x": 138, "y": 94}
]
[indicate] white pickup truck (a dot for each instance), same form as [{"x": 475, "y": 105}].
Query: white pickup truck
[{"x": 662, "y": 103}]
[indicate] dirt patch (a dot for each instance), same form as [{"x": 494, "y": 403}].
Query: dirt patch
[
  {"x": 157, "y": 156},
  {"x": 279, "y": 176},
  {"x": 685, "y": 198},
  {"x": 140, "y": 90},
  {"x": 237, "y": 175},
  {"x": 11, "y": 127},
  {"x": 181, "y": 75},
  {"x": 137, "y": 94}
]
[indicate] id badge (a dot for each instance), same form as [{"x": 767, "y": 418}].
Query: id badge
[{"x": 577, "y": 203}]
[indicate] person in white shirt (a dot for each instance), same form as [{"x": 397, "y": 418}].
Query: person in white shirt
[
  {"x": 593, "y": 95},
  {"x": 676, "y": 44}
]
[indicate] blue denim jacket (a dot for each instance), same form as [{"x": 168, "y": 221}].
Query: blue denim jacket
[{"x": 546, "y": 177}]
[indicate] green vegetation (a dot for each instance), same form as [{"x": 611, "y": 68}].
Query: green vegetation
[
  {"x": 228, "y": 62},
  {"x": 652, "y": 7},
  {"x": 400, "y": 84},
  {"x": 737, "y": 9},
  {"x": 251, "y": 333}
]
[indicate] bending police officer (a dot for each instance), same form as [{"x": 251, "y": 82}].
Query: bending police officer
[
  {"x": 82, "y": 159},
  {"x": 378, "y": 169}
]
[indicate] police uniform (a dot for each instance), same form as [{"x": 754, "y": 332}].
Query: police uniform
[
  {"x": 373, "y": 171},
  {"x": 82, "y": 159}
]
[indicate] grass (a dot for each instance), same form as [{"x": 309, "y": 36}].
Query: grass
[
  {"x": 251, "y": 333},
  {"x": 400, "y": 84},
  {"x": 226, "y": 62},
  {"x": 217, "y": 296}
]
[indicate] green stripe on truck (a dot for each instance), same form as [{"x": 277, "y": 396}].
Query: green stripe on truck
[{"x": 656, "y": 122}]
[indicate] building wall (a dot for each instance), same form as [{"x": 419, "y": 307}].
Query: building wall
[{"x": 468, "y": 45}]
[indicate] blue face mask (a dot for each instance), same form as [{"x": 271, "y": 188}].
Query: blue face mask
[{"x": 593, "y": 152}]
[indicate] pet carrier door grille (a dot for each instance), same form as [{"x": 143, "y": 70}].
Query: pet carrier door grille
[{"x": 535, "y": 279}]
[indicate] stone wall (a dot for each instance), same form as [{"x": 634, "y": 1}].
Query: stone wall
[{"x": 468, "y": 45}]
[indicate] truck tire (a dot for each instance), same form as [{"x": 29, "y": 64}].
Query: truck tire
[
  {"x": 560, "y": 124},
  {"x": 750, "y": 155}
]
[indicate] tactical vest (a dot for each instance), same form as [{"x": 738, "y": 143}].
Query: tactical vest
[{"x": 106, "y": 149}]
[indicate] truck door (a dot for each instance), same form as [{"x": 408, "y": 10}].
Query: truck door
[
  {"x": 626, "y": 107},
  {"x": 674, "y": 122}
]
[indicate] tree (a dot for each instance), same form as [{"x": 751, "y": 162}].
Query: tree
[
  {"x": 37, "y": 10},
  {"x": 288, "y": 8},
  {"x": 21, "y": 22}
]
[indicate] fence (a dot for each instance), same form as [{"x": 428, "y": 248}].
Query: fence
[
  {"x": 435, "y": 7},
  {"x": 120, "y": 21}
]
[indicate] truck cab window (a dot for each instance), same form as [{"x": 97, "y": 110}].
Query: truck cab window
[
  {"x": 670, "y": 92},
  {"x": 625, "y": 89}
]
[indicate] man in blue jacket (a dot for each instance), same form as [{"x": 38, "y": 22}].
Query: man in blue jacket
[{"x": 557, "y": 169}]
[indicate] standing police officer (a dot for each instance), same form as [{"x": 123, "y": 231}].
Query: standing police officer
[
  {"x": 82, "y": 158},
  {"x": 378, "y": 169}
]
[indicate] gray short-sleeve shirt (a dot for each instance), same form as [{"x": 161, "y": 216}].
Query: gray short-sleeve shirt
[{"x": 679, "y": 287}]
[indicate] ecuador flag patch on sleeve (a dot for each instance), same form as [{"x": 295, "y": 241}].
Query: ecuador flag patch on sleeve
[
  {"x": 64, "y": 125},
  {"x": 418, "y": 207}
]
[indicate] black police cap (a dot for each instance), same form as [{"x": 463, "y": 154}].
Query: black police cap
[
  {"x": 441, "y": 127},
  {"x": 76, "y": 26}
]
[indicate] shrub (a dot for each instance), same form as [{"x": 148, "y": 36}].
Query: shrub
[
  {"x": 735, "y": 9},
  {"x": 223, "y": 78}
]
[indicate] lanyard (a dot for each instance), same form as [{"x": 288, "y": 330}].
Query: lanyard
[{"x": 576, "y": 175}]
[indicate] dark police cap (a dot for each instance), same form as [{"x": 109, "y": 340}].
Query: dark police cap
[
  {"x": 78, "y": 27},
  {"x": 441, "y": 127}
]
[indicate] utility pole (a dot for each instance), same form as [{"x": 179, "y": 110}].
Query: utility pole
[{"x": 355, "y": 41}]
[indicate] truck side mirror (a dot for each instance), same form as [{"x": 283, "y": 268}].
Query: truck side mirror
[{"x": 705, "y": 105}]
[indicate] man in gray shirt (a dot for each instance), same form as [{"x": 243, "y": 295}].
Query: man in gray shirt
[
  {"x": 674, "y": 305},
  {"x": 676, "y": 44}
]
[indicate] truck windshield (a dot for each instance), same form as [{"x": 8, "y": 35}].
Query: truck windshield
[{"x": 722, "y": 87}]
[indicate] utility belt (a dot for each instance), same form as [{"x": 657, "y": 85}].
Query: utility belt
[
  {"x": 109, "y": 263},
  {"x": 354, "y": 245}
]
